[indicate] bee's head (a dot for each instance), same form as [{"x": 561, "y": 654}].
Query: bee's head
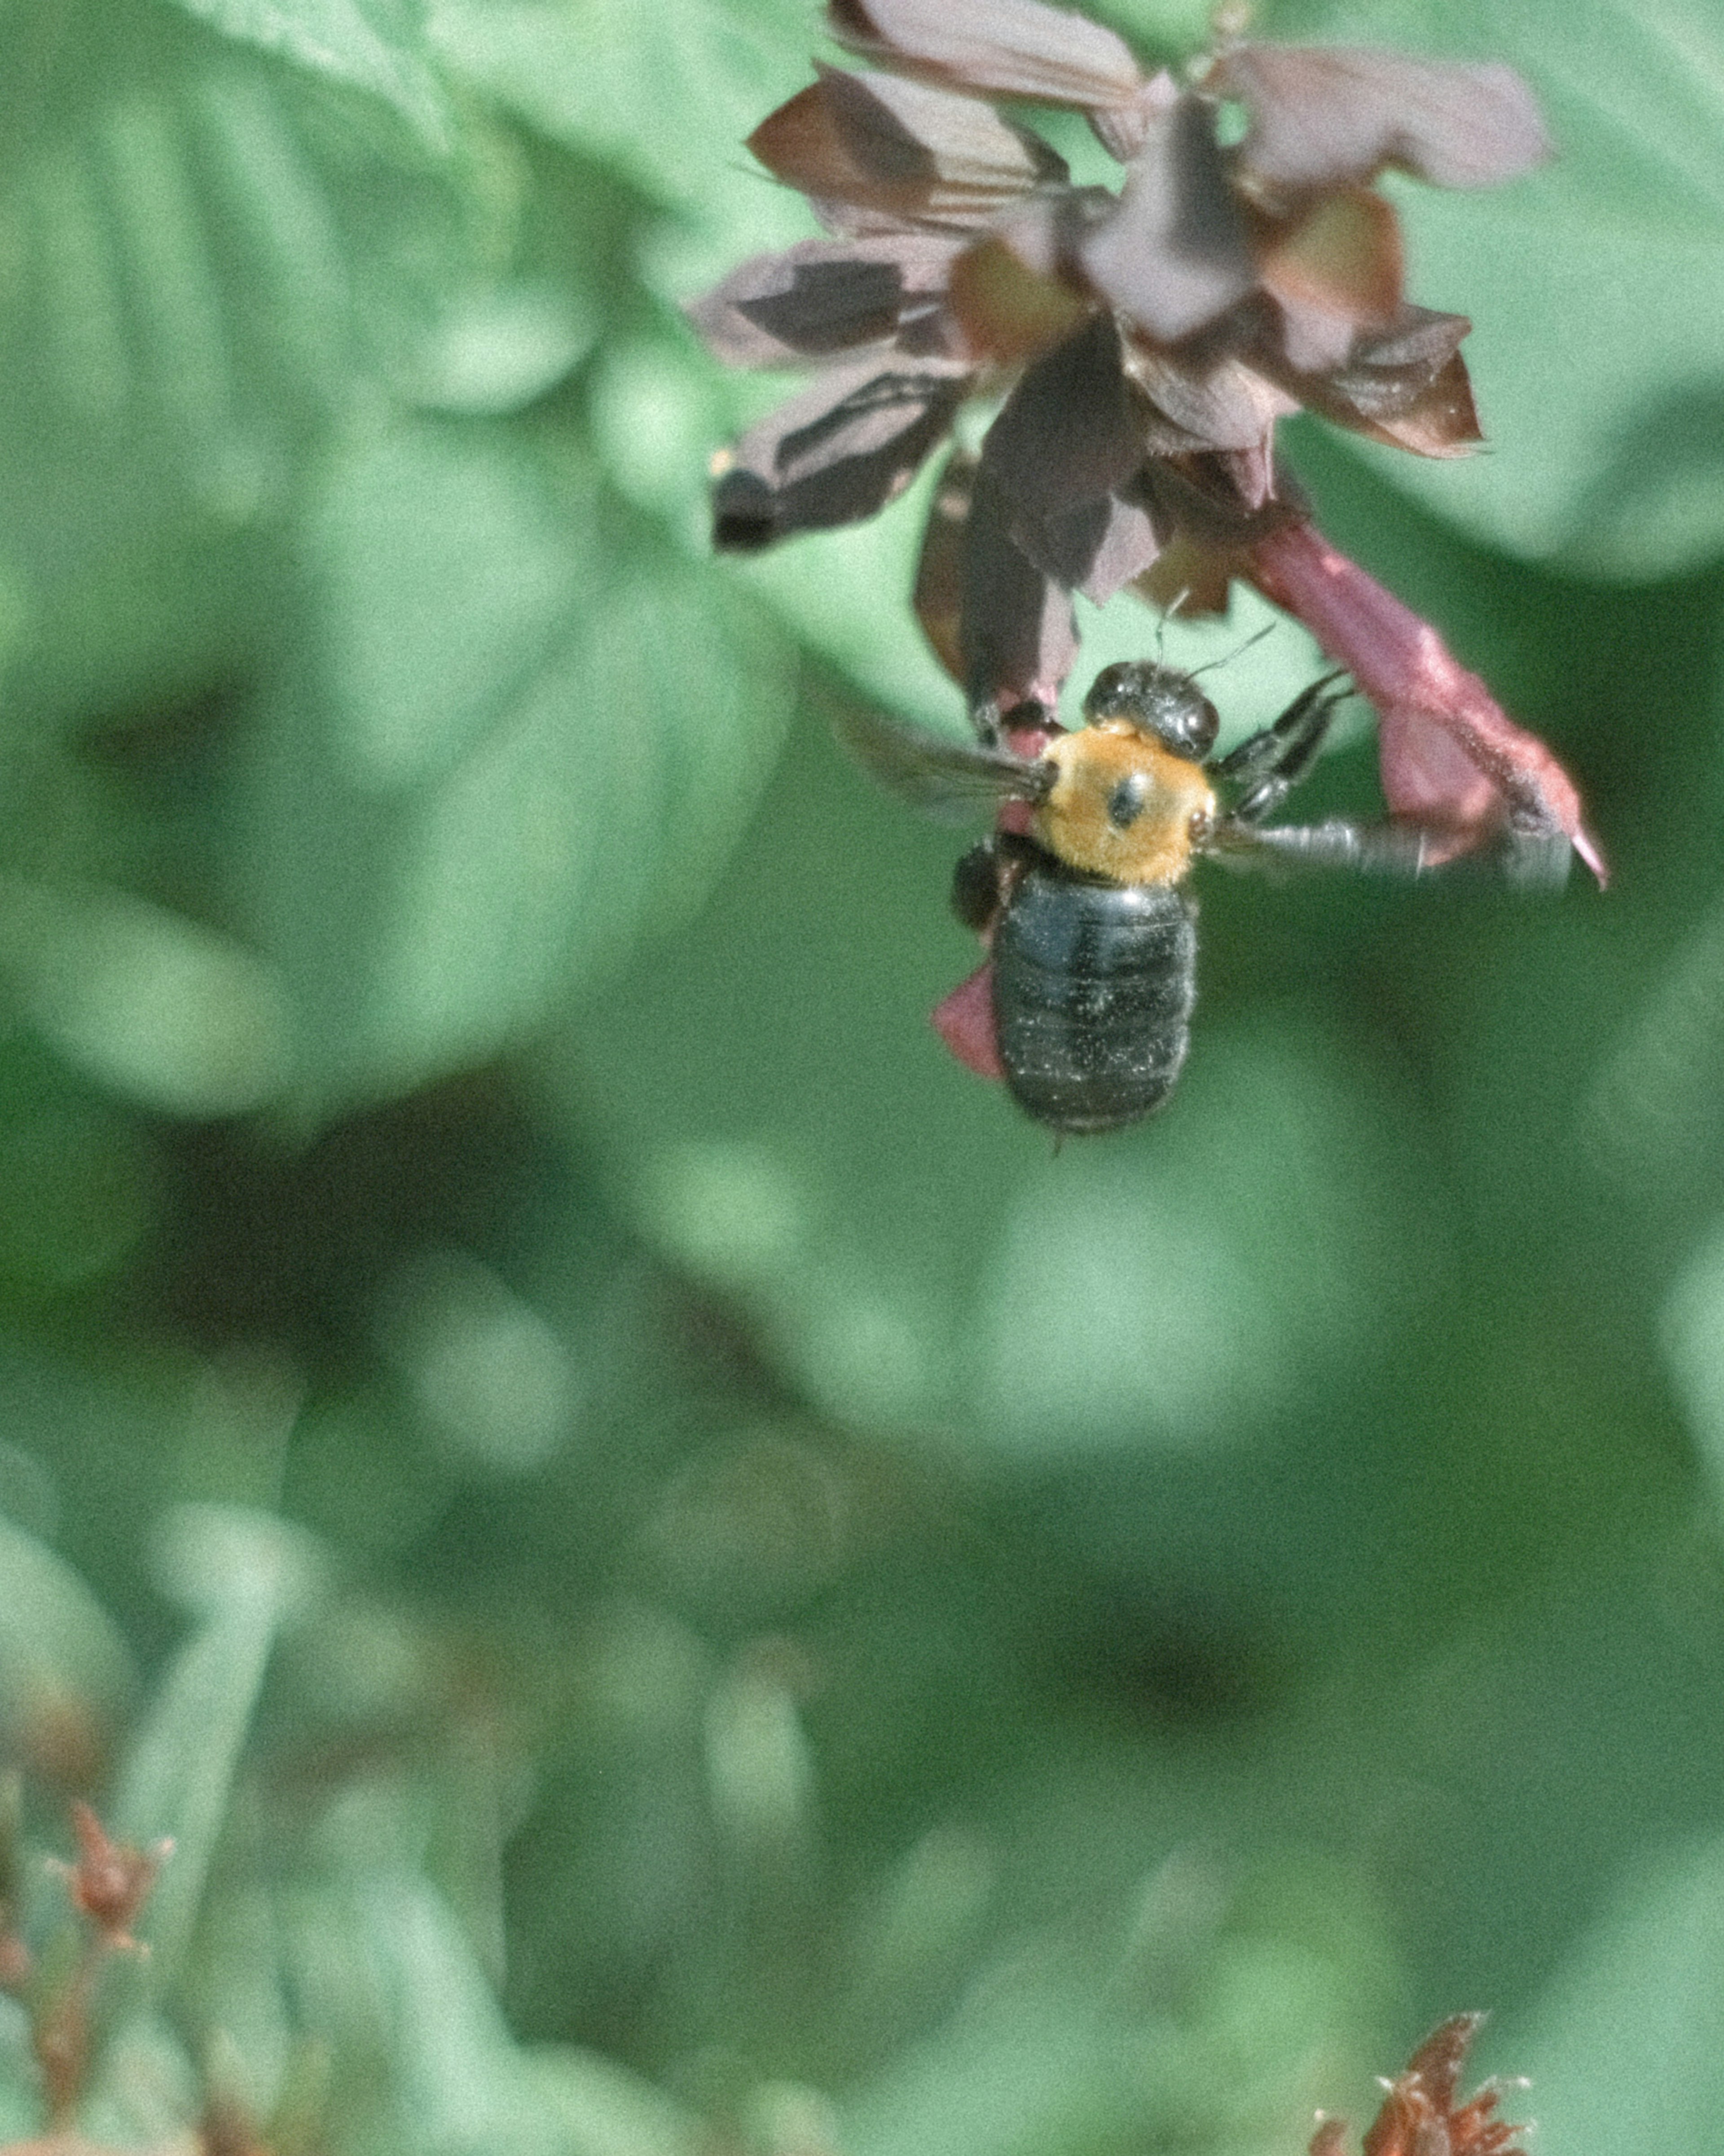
[{"x": 1162, "y": 701}]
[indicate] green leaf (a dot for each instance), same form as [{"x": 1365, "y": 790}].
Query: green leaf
[
  {"x": 463, "y": 811},
  {"x": 606, "y": 2110},
  {"x": 59, "y": 1648},
  {"x": 244, "y": 1573},
  {"x": 216, "y": 261},
  {"x": 1692, "y": 1326},
  {"x": 446, "y": 573},
  {"x": 666, "y": 94},
  {"x": 1596, "y": 286},
  {"x": 1624, "y": 2049},
  {"x": 166, "y": 1012},
  {"x": 464, "y": 2087},
  {"x": 378, "y": 45}
]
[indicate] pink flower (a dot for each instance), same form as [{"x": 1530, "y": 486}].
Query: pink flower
[{"x": 1144, "y": 341}]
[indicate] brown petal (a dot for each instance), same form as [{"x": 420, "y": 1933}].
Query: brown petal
[
  {"x": 1099, "y": 551},
  {"x": 833, "y": 456},
  {"x": 1062, "y": 454},
  {"x": 1215, "y": 402},
  {"x": 823, "y": 296},
  {"x": 1020, "y": 289},
  {"x": 1341, "y": 260},
  {"x": 1010, "y": 48},
  {"x": 1449, "y": 751},
  {"x": 1324, "y": 116},
  {"x": 1173, "y": 256},
  {"x": 1406, "y": 386},
  {"x": 1009, "y": 311},
  {"x": 1214, "y": 528},
  {"x": 1018, "y": 636},
  {"x": 938, "y": 596},
  {"x": 901, "y": 150},
  {"x": 1069, "y": 432}
]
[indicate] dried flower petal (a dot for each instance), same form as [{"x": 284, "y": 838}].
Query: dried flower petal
[
  {"x": 1213, "y": 400},
  {"x": 1068, "y": 433},
  {"x": 901, "y": 150},
  {"x": 1340, "y": 265},
  {"x": 824, "y": 297},
  {"x": 1420, "y": 2116},
  {"x": 1015, "y": 48},
  {"x": 938, "y": 596},
  {"x": 1328, "y": 116},
  {"x": 1017, "y": 635},
  {"x": 1174, "y": 255},
  {"x": 1406, "y": 385},
  {"x": 1019, "y": 290},
  {"x": 838, "y": 453},
  {"x": 111, "y": 1879}
]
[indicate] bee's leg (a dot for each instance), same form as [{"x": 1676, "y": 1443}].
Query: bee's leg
[
  {"x": 1390, "y": 848},
  {"x": 976, "y": 888},
  {"x": 1271, "y": 764},
  {"x": 1404, "y": 847},
  {"x": 985, "y": 878}
]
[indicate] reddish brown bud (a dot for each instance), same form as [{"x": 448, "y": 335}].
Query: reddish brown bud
[
  {"x": 1420, "y": 2115},
  {"x": 111, "y": 1879}
]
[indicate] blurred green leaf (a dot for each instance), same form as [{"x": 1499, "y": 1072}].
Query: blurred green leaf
[
  {"x": 446, "y": 573},
  {"x": 378, "y": 45},
  {"x": 162, "y": 1010},
  {"x": 604, "y": 2110},
  {"x": 464, "y": 2087},
  {"x": 1623, "y": 2049},
  {"x": 667, "y": 95},
  {"x": 1692, "y": 1326},
  {"x": 594, "y": 744},
  {"x": 1597, "y": 286},
  {"x": 245, "y": 1574},
  {"x": 60, "y": 1653},
  {"x": 215, "y": 259}
]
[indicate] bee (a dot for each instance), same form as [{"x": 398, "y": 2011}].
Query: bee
[{"x": 1080, "y": 894}]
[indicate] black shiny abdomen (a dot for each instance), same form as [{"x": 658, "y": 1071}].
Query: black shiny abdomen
[{"x": 1093, "y": 985}]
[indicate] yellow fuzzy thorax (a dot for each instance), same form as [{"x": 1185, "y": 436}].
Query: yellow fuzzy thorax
[{"x": 1076, "y": 823}]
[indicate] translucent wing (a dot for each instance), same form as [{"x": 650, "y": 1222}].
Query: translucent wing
[{"x": 936, "y": 771}]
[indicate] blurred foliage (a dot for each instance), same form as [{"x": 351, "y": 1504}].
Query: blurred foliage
[{"x": 679, "y": 1584}]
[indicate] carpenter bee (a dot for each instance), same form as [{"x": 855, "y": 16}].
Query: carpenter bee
[{"x": 1080, "y": 894}]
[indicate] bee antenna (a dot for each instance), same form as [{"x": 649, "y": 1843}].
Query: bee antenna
[{"x": 1238, "y": 650}]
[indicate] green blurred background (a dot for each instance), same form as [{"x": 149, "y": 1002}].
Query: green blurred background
[{"x": 682, "y": 1583}]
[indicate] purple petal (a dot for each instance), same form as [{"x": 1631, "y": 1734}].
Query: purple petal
[
  {"x": 1070, "y": 431},
  {"x": 1325, "y": 116},
  {"x": 1098, "y": 549},
  {"x": 1449, "y": 751},
  {"x": 901, "y": 150},
  {"x": 1215, "y": 401},
  {"x": 1406, "y": 385},
  {"x": 824, "y": 296},
  {"x": 833, "y": 456},
  {"x": 1173, "y": 256},
  {"x": 1018, "y": 636},
  {"x": 1013, "y": 48}
]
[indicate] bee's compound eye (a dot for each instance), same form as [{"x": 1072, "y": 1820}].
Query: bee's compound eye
[
  {"x": 1160, "y": 699},
  {"x": 1126, "y": 802}
]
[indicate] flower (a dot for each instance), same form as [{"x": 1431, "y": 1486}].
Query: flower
[{"x": 1144, "y": 341}]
